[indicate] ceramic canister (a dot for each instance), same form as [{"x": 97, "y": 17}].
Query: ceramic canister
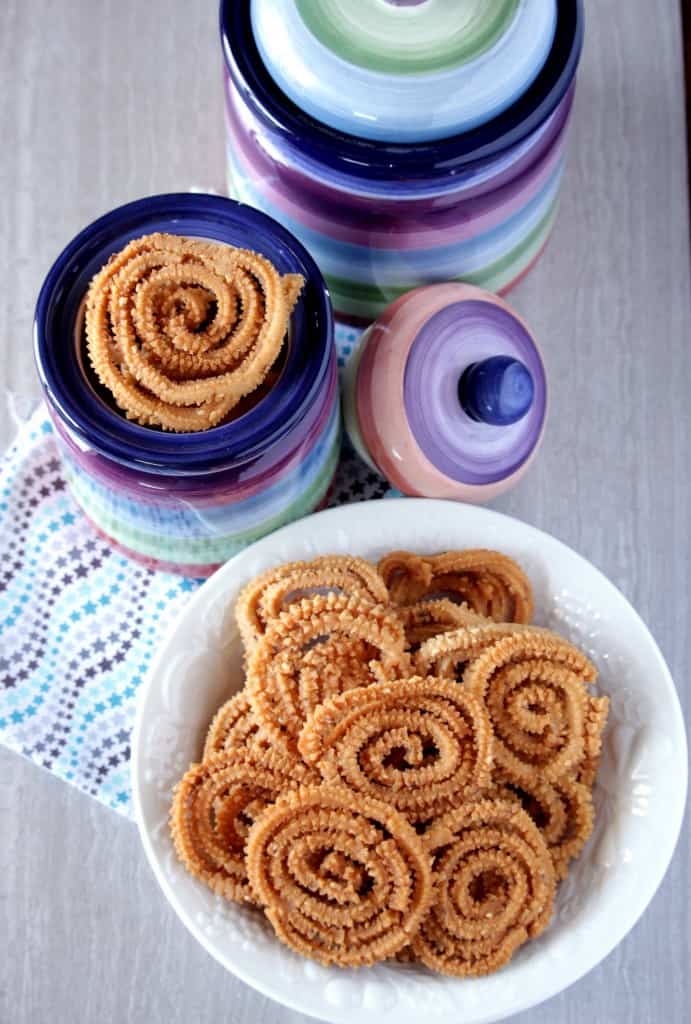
[
  {"x": 400, "y": 157},
  {"x": 446, "y": 394},
  {"x": 186, "y": 502}
]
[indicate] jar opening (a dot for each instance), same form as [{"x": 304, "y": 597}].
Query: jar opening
[
  {"x": 305, "y": 361},
  {"x": 101, "y": 394}
]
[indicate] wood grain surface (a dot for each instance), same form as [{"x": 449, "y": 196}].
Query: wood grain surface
[{"x": 105, "y": 101}]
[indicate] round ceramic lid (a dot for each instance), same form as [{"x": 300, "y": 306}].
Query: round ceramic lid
[
  {"x": 447, "y": 394},
  {"x": 404, "y": 70}
]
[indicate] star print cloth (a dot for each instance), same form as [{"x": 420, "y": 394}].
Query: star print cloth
[{"x": 79, "y": 622}]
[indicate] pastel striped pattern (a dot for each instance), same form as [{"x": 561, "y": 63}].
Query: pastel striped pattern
[
  {"x": 401, "y": 401},
  {"x": 197, "y": 538},
  {"x": 371, "y": 250},
  {"x": 447, "y": 33},
  {"x": 404, "y": 73},
  {"x": 335, "y": 128}
]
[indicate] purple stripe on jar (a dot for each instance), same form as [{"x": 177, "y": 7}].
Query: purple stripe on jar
[
  {"x": 247, "y": 470},
  {"x": 224, "y": 487},
  {"x": 404, "y": 226},
  {"x": 457, "y": 336},
  {"x": 286, "y": 169}
]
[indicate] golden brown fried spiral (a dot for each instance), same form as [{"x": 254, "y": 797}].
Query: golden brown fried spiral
[
  {"x": 596, "y": 720},
  {"x": 534, "y": 687},
  {"x": 448, "y": 654},
  {"x": 269, "y": 594},
  {"x": 492, "y": 584},
  {"x": 214, "y": 805},
  {"x": 420, "y": 744},
  {"x": 319, "y": 647},
  {"x": 563, "y": 812},
  {"x": 432, "y": 618},
  {"x": 494, "y": 888},
  {"x": 342, "y": 884},
  {"x": 180, "y": 330},
  {"x": 408, "y": 576},
  {"x": 234, "y": 728},
  {"x": 402, "y": 781}
]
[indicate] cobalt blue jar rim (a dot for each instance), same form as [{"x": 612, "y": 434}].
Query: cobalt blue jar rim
[
  {"x": 383, "y": 160},
  {"x": 109, "y": 432}
]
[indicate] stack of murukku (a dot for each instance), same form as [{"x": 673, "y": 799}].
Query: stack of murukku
[
  {"x": 180, "y": 331},
  {"x": 408, "y": 770}
]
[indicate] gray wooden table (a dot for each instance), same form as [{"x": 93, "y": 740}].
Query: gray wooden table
[{"x": 102, "y": 102}]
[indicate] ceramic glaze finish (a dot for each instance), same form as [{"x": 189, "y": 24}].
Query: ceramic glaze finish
[
  {"x": 188, "y": 502},
  {"x": 402, "y": 404},
  {"x": 81, "y": 137},
  {"x": 412, "y": 161},
  {"x": 381, "y": 218},
  {"x": 498, "y": 390},
  {"x": 640, "y": 791},
  {"x": 403, "y": 74},
  {"x": 372, "y": 254}
]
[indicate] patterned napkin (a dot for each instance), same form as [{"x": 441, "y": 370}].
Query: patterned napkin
[{"x": 79, "y": 622}]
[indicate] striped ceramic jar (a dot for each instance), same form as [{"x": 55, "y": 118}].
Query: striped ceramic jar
[
  {"x": 188, "y": 502},
  {"x": 380, "y": 211}
]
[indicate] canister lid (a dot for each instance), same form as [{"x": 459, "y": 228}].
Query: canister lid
[
  {"x": 449, "y": 393},
  {"x": 289, "y": 129},
  {"x": 404, "y": 71}
]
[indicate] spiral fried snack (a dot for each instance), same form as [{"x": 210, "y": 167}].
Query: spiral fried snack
[
  {"x": 269, "y": 594},
  {"x": 534, "y": 686},
  {"x": 342, "y": 884},
  {"x": 432, "y": 618},
  {"x": 596, "y": 720},
  {"x": 319, "y": 647},
  {"x": 492, "y": 584},
  {"x": 179, "y": 331},
  {"x": 420, "y": 744},
  {"x": 448, "y": 654},
  {"x": 563, "y": 812},
  {"x": 234, "y": 728},
  {"x": 213, "y": 808},
  {"x": 494, "y": 888}
]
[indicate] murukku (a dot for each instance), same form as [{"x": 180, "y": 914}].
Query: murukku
[
  {"x": 234, "y": 727},
  {"x": 596, "y": 720},
  {"x": 179, "y": 331},
  {"x": 341, "y": 883},
  {"x": 319, "y": 647},
  {"x": 214, "y": 806},
  {"x": 408, "y": 576},
  {"x": 491, "y": 584},
  {"x": 269, "y": 594},
  {"x": 422, "y": 745},
  {"x": 494, "y": 888},
  {"x": 432, "y": 618},
  {"x": 534, "y": 687},
  {"x": 563, "y": 812},
  {"x": 448, "y": 654},
  {"x": 402, "y": 777}
]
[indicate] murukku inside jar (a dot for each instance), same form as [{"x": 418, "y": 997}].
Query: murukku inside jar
[
  {"x": 182, "y": 333},
  {"x": 185, "y": 347}
]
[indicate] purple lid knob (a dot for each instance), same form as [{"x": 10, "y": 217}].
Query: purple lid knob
[{"x": 498, "y": 390}]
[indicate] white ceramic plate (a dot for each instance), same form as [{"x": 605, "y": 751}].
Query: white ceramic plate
[{"x": 639, "y": 798}]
